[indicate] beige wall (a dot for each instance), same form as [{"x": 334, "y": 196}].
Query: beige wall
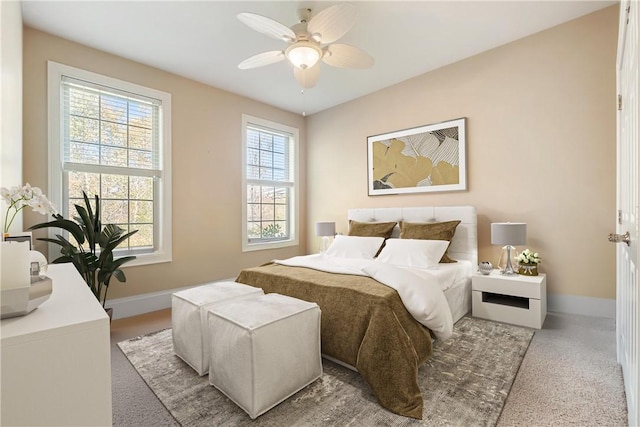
[
  {"x": 540, "y": 147},
  {"x": 11, "y": 102},
  {"x": 206, "y": 164}
]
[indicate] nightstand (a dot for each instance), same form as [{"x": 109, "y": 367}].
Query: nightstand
[{"x": 521, "y": 300}]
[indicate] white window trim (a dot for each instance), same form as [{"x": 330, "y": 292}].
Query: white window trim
[
  {"x": 163, "y": 253},
  {"x": 294, "y": 226}
]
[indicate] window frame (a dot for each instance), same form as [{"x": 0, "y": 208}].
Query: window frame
[
  {"x": 294, "y": 209},
  {"x": 162, "y": 194}
]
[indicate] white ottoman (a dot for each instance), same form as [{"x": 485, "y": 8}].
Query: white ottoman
[
  {"x": 189, "y": 319},
  {"x": 264, "y": 349}
]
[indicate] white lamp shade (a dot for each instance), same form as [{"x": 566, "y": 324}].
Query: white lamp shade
[
  {"x": 325, "y": 228},
  {"x": 303, "y": 55},
  {"x": 508, "y": 233}
]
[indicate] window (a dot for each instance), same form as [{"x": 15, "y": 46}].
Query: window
[
  {"x": 113, "y": 139},
  {"x": 269, "y": 184}
]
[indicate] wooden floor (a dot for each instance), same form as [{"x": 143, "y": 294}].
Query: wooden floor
[{"x": 129, "y": 327}]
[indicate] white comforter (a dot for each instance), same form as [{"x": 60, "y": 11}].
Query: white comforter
[{"x": 421, "y": 294}]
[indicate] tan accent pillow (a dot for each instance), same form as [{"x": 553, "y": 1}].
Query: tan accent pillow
[
  {"x": 430, "y": 231},
  {"x": 371, "y": 229}
]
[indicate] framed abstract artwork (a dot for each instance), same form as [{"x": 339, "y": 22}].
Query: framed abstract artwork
[{"x": 417, "y": 160}]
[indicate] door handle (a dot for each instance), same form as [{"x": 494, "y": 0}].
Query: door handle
[{"x": 617, "y": 238}]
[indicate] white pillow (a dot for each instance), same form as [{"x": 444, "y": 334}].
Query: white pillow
[
  {"x": 413, "y": 252},
  {"x": 354, "y": 247}
]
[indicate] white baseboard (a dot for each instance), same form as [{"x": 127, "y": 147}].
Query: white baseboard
[
  {"x": 145, "y": 303},
  {"x": 587, "y": 306}
]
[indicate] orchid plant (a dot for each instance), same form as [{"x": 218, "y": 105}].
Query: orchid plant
[
  {"x": 528, "y": 257},
  {"x": 19, "y": 198}
]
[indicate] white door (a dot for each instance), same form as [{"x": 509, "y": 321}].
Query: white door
[{"x": 627, "y": 261}]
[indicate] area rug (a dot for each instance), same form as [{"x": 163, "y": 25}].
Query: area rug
[{"x": 465, "y": 382}]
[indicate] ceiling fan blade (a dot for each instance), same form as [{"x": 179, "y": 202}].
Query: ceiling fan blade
[
  {"x": 267, "y": 26},
  {"x": 308, "y": 77},
  {"x": 261, "y": 59},
  {"x": 332, "y": 23},
  {"x": 345, "y": 56}
]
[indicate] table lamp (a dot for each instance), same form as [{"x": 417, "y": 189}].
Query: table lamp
[
  {"x": 509, "y": 234},
  {"x": 325, "y": 229}
]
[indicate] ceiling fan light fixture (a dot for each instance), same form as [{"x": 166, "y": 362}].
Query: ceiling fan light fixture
[
  {"x": 303, "y": 54},
  {"x": 309, "y": 41}
]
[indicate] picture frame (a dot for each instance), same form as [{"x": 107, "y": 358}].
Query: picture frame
[{"x": 418, "y": 160}]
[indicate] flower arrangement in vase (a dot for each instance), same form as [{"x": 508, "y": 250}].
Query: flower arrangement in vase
[{"x": 528, "y": 262}]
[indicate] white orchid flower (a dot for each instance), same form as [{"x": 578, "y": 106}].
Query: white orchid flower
[
  {"x": 40, "y": 206},
  {"x": 27, "y": 191},
  {"x": 19, "y": 197},
  {"x": 6, "y": 194},
  {"x": 37, "y": 192}
]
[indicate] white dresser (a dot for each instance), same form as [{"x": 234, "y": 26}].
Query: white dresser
[{"x": 56, "y": 361}]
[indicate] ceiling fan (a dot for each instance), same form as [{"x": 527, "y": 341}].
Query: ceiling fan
[{"x": 309, "y": 41}]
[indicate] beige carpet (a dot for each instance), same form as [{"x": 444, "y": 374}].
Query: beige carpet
[
  {"x": 465, "y": 382},
  {"x": 569, "y": 377}
]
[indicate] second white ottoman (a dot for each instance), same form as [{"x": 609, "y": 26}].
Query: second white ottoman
[
  {"x": 189, "y": 319},
  {"x": 264, "y": 349}
]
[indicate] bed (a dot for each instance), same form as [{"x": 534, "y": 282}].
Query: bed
[{"x": 365, "y": 323}]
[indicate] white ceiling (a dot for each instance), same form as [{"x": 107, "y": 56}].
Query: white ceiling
[{"x": 203, "y": 40}]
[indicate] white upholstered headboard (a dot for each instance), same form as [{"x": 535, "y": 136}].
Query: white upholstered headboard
[{"x": 464, "y": 244}]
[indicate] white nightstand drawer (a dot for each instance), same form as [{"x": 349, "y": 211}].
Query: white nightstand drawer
[
  {"x": 531, "y": 316},
  {"x": 522, "y": 286},
  {"x": 521, "y": 300}
]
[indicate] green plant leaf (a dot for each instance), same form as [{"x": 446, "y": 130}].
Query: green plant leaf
[
  {"x": 62, "y": 260},
  {"x": 88, "y": 205},
  {"x": 120, "y": 275},
  {"x": 118, "y": 263},
  {"x": 114, "y": 243},
  {"x": 104, "y": 276},
  {"x": 94, "y": 217},
  {"x": 56, "y": 241},
  {"x": 97, "y": 225},
  {"x": 110, "y": 233},
  {"x": 87, "y": 225},
  {"x": 106, "y": 258},
  {"x": 66, "y": 225}
]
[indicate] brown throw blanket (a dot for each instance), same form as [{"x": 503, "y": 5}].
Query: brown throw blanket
[{"x": 364, "y": 324}]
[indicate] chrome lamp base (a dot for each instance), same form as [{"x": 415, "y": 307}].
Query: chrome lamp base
[
  {"x": 325, "y": 244},
  {"x": 508, "y": 269}
]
